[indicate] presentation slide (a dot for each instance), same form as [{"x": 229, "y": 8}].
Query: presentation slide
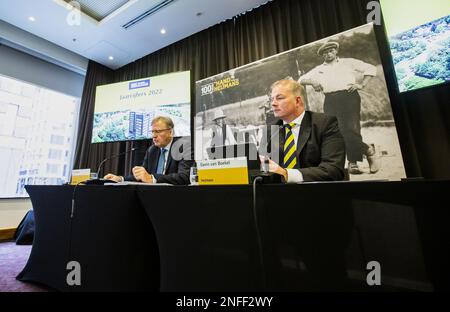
[
  {"x": 419, "y": 39},
  {"x": 124, "y": 111}
]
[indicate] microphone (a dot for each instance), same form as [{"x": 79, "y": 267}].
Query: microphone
[
  {"x": 99, "y": 181},
  {"x": 269, "y": 142},
  {"x": 264, "y": 175}
]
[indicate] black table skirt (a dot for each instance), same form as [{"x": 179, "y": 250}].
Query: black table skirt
[{"x": 317, "y": 236}]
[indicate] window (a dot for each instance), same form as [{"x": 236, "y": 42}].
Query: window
[
  {"x": 37, "y": 136},
  {"x": 54, "y": 154},
  {"x": 53, "y": 169},
  {"x": 57, "y": 139}
]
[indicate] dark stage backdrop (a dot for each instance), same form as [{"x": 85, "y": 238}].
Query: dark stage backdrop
[{"x": 422, "y": 117}]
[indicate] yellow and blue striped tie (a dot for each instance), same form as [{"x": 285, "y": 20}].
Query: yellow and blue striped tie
[{"x": 290, "y": 159}]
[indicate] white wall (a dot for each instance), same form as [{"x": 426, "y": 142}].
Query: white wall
[
  {"x": 24, "y": 67},
  {"x": 12, "y": 211},
  {"x": 28, "y": 43}
]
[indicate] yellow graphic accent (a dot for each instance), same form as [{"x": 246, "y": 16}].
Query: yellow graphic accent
[
  {"x": 79, "y": 178},
  {"x": 225, "y": 83},
  {"x": 223, "y": 176}
]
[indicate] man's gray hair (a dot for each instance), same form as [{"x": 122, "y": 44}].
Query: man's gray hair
[
  {"x": 166, "y": 120},
  {"x": 295, "y": 86}
]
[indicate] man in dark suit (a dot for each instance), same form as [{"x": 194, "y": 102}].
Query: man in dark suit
[
  {"x": 168, "y": 160},
  {"x": 310, "y": 147}
]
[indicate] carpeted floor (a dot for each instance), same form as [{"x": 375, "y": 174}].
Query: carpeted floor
[{"x": 12, "y": 260}]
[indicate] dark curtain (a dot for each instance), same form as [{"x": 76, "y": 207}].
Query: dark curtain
[
  {"x": 89, "y": 155},
  {"x": 422, "y": 117}
]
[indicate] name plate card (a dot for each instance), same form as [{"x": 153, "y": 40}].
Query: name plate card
[
  {"x": 80, "y": 175},
  {"x": 223, "y": 171}
]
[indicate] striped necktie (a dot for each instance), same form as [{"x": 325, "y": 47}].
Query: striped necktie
[{"x": 290, "y": 159}]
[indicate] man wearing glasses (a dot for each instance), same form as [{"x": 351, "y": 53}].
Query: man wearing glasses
[{"x": 168, "y": 160}]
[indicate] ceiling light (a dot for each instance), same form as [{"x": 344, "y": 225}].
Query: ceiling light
[
  {"x": 111, "y": 58},
  {"x": 163, "y": 31},
  {"x": 31, "y": 19}
]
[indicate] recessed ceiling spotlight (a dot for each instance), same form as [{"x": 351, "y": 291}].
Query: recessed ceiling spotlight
[
  {"x": 163, "y": 31},
  {"x": 111, "y": 58},
  {"x": 31, "y": 19}
]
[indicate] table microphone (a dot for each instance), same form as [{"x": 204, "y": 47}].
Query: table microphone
[
  {"x": 269, "y": 142},
  {"x": 99, "y": 181},
  {"x": 268, "y": 177}
]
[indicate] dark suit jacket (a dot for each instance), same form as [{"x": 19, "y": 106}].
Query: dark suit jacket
[
  {"x": 177, "y": 170},
  {"x": 320, "y": 148}
]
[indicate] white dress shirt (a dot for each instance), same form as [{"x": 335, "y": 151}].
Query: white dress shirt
[{"x": 340, "y": 74}]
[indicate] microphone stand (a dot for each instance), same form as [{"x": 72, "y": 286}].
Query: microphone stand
[
  {"x": 264, "y": 176},
  {"x": 100, "y": 181}
]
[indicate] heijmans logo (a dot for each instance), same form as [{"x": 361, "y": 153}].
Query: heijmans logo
[{"x": 139, "y": 84}]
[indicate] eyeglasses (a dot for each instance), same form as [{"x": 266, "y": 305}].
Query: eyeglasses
[{"x": 159, "y": 131}]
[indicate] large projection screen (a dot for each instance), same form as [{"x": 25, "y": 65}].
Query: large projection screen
[
  {"x": 124, "y": 111},
  {"x": 240, "y": 96},
  {"x": 419, "y": 40}
]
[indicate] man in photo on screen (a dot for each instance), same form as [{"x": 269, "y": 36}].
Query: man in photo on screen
[
  {"x": 337, "y": 79},
  {"x": 221, "y": 132}
]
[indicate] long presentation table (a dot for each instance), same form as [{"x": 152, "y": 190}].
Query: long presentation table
[{"x": 312, "y": 237}]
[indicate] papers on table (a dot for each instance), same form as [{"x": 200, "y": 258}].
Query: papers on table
[{"x": 137, "y": 183}]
